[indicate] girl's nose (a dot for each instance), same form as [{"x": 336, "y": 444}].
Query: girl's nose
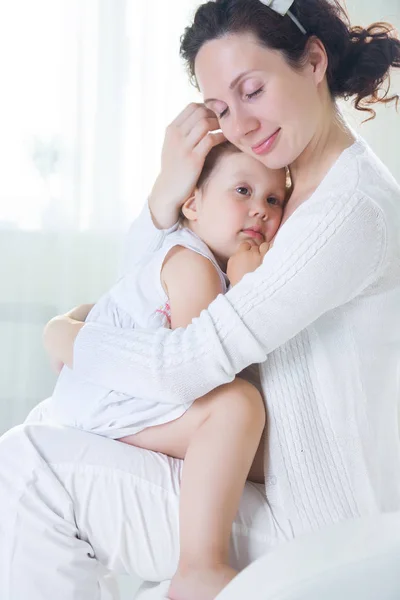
[{"x": 259, "y": 209}]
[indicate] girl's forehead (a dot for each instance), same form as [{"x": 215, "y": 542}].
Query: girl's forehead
[{"x": 240, "y": 164}]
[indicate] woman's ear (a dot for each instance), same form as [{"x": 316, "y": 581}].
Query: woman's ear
[
  {"x": 190, "y": 207},
  {"x": 317, "y": 59}
]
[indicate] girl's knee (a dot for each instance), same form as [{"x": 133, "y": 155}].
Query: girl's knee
[{"x": 241, "y": 398}]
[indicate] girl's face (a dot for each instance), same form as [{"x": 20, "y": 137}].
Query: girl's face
[
  {"x": 265, "y": 107},
  {"x": 241, "y": 201}
]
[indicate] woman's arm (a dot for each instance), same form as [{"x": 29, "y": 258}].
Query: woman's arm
[
  {"x": 58, "y": 337},
  {"x": 188, "y": 139},
  {"x": 322, "y": 258},
  {"x": 79, "y": 313},
  {"x": 144, "y": 235},
  {"x": 60, "y": 332}
]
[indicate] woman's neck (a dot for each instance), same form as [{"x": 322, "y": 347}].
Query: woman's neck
[{"x": 313, "y": 164}]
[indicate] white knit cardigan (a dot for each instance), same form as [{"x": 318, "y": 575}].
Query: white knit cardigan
[{"x": 322, "y": 315}]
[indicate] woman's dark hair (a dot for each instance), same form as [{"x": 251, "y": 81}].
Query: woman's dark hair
[{"x": 359, "y": 59}]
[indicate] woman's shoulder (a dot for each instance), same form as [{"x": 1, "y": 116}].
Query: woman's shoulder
[
  {"x": 377, "y": 189},
  {"x": 358, "y": 179},
  {"x": 374, "y": 174},
  {"x": 356, "y": 207},
  {"x": 372, "y": 179}
]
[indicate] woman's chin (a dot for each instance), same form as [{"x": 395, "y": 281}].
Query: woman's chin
[{"x": 276, "y": 159}]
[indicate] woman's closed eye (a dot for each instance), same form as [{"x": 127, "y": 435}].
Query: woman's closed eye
[
  {"x": 247, "y": 96},
  {"x": 254, "y": 94}
]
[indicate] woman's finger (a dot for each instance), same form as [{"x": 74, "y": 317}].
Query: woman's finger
[
  {"x": 197, "y": 116},
  {"x": 187, "y": 112},
  {"x": 208, "y": 142},
  {"x": 199, "y": 131}
]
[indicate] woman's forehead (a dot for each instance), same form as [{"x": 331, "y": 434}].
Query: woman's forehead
[{"x": 221, "y": 63}]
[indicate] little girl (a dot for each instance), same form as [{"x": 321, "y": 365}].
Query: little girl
[{"x": 236, "y": 200}]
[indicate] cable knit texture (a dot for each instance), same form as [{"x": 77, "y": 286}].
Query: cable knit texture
[{"x": 322, "y": 316}]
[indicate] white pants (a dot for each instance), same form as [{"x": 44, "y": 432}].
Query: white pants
[{"x": 74, "y": 505}]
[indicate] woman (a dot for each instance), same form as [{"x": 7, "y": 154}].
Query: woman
[{"x": 321, "y": 315}]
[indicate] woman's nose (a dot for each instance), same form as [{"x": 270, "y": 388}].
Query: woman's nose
[{"x": 242, "y": 124}]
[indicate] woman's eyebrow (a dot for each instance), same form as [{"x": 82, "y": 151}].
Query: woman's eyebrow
[{"x": 233, "y": 83}]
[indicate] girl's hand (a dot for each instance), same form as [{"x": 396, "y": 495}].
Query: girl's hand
[
  {"x": 188, "y": 139},
  {"x": 246, "y": 259}
]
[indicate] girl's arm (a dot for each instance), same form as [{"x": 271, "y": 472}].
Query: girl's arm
[
  {"x": 323, "y": 256},
  {"x": 191, "y": 282}
]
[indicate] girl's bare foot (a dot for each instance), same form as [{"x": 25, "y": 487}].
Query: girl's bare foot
[{"x": 200, "y": 584}]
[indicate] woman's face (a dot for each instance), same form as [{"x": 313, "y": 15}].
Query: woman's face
[{"x": 265, "y": 107}]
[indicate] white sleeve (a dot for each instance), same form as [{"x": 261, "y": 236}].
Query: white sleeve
[
  {"x": 143, "y": 237},
  {"x": 324, "y": 255}
]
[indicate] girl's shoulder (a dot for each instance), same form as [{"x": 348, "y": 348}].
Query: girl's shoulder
[{"x": 188, "y": 239}]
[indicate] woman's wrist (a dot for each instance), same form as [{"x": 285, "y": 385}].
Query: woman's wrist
[
  {"x": 59, "y": 336},
  {"x": 79, "y": 313},
  {"x": 164, "y": 211}
]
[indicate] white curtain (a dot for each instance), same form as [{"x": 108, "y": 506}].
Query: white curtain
[{"x": 87, "y": 89}]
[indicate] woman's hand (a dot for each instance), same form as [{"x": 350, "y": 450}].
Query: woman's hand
[
  {"x": 246, "y": 259},
  {"x": 79, "y": 313},
  {"x": 59, "y": 336},
  {"x": 188, "y": 139}
]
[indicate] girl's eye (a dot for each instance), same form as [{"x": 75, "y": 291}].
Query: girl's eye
[
  {"x": 222, "y": 114},
  {"x": 243, "y": 191},
  {"x": 254, "y": 94},
  {"x": 272, "y": 200}
]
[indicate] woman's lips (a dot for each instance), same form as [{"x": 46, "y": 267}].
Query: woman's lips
[{"x": 266, "y": 145}]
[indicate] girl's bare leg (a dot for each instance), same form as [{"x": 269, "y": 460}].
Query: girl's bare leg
[{"x": 218, "y": 437}]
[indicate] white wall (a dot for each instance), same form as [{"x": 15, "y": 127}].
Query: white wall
[
  {"x": 383, "y": 133},
  {"x": 39, "y": 262}
]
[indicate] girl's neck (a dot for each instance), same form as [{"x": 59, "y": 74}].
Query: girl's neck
[{"x": 313, "y": 164}]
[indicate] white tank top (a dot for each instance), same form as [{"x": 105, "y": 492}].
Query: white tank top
[{"x": 137, "y": 300}]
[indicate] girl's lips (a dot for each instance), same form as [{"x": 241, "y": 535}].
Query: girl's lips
[
  {"x": 256, "y": 235},
  {"x": 266, "y": 145}
]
